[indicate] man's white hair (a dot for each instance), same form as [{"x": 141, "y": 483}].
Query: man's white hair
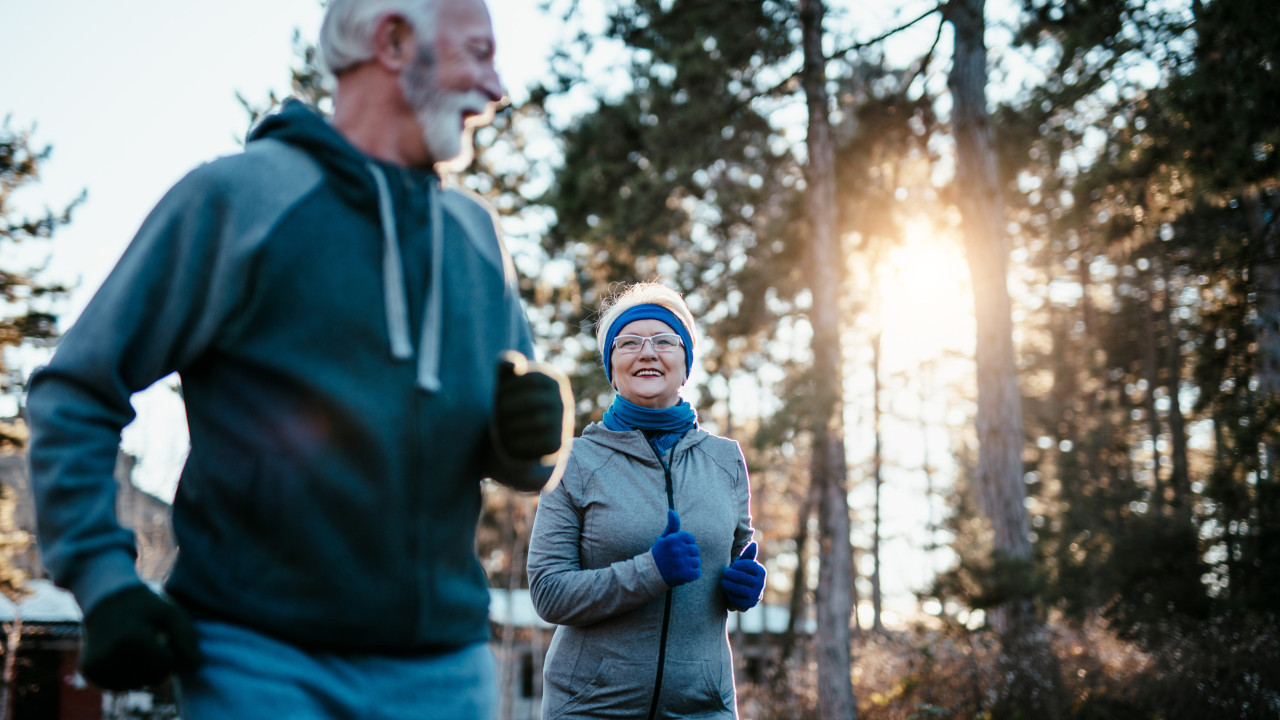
[{"x": 346, "y": 34}]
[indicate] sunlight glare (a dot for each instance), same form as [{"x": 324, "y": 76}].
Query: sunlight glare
[{"x": 926, "y": 306}]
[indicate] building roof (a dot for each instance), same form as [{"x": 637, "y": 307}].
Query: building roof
[
  {"x": 46, "y": 603},
  {"x": 43, "y": 603},
  {"x": 521, "y": 609},
  {"x": 761, "y": 618},
  {"x": 771, "y": 619}
]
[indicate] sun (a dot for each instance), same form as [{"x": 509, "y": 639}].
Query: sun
[{"x": 925, "y": 303}]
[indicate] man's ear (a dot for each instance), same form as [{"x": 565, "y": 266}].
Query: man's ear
[{"x": 393, "y": 42}]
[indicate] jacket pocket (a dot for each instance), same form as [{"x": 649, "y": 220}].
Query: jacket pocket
[
  {"x": 619, "y": 689},
  {"x": 691, "y": 690}
]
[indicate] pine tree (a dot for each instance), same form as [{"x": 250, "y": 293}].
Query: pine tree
[
  {"x": 27, "y": 308},
  {"x": 826, "y": 259}
]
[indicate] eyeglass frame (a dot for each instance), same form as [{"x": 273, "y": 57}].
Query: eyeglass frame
[{"x": 679, "y": 343}]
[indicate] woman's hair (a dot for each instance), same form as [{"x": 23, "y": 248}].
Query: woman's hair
[
  {"x": 346, "y": 34},
  {"x": 643, "y": 293}
]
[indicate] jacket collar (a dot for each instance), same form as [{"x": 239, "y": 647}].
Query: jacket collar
[{"x": 633, "y": 443}]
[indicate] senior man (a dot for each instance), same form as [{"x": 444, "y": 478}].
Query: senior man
[{"x": 351, "y": 348}]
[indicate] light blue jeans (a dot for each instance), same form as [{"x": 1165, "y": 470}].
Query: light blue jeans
[{"x": 247, "y": 675}]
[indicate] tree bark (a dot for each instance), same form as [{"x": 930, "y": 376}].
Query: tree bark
[
  {"x": 1265, "y": 275},
  {"x": 1179, "y": 474},
  {"x": 835, "y": 577},
  {"x": 833, "y": 599},
  {"x": 739, "y": 634},
  {"x": 876, "y": 466},
  {"x": 799, "y": 583},
  {"x": 926, "y": 466},
  {"x": 509, "y": 665},
  {"x": 1001, "y": 490},
  {"x": 535, "y": 706},
  {"x": 13, "y": 636},
  {"x": 1151, "y": 369}
]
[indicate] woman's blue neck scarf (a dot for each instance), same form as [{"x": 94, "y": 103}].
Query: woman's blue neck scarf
[{"x": 664, "y": 427}]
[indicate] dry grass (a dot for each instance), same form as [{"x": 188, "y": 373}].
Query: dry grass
[{"x": 1216, "y": 671}]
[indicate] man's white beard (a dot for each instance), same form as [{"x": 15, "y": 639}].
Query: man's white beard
[
  {"x": 446, "y": 138},
  {"x": 440, "y": 113}
]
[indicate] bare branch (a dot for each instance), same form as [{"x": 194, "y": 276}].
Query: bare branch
[
  {"x": 924, "y": 61},
  {"x": 890, "y": 33},
  {"x": 791, "y": 83}
]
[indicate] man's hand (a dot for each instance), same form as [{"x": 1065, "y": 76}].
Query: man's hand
[
  {"x": 134, "y": 638},
  {"x": 743, "y": 580},
  {"x": 532, "y": 409}
]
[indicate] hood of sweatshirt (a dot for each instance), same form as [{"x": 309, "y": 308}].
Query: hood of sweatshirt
[{"x": 364, "y": 182}]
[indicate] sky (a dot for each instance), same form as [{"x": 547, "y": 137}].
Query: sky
[
  {"x": 133, "y": 94},
  {"x": 142, "y": 91}
]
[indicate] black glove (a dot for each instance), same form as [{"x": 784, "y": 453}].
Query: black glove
[
  {"x": 531, "y": 409},
  {"x": 134, "y": 638}
]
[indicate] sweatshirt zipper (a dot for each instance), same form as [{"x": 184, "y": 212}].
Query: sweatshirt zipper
[
  {"x": 418, "y": 540},
  {"x": 666, "y": 611}
]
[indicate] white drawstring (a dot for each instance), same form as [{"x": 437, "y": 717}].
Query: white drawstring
[
  {"x": 432, "y": 330},
  {"x": 393, "y": 286},
  {"x": 393, "y": 291}
]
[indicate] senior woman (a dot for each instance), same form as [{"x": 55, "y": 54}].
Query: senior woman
[{"x": 645, "y": 545}]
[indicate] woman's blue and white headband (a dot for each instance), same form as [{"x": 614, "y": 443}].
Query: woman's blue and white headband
[{"x": 648, "y": 311}]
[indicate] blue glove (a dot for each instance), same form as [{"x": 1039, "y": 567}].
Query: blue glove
[
  {"x": 676, "y": 554},
  {"x": 743, "y": 581}
]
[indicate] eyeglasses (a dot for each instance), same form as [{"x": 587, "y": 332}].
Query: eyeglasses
[{"x": 632, "y": 344}]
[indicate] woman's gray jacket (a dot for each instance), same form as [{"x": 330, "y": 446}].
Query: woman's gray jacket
[{"x": 591, "y": 572}]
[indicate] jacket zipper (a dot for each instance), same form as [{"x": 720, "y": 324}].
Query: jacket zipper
[
  {"x": 417, "y": 533},
  {"x": 666, "y": 611}
]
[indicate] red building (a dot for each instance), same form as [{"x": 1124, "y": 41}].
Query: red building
[{"x": 44, "y": 626}]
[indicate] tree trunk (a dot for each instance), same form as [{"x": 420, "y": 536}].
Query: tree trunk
[
  {"x": 1001, "y": 489},
  {"x": 507, "y": 656},
  {"x": 999, "y": 420},
  {"x": 13, "y": 636},
  {"x": 739, "y": 635},
  {"x": 926, "y": 466},
  {"x": 1179, "y": 475},
  {"x": 1064, "y": 410},
  {"x": 535, "y": 705},
  {"x": 1151, "y": 369},
  {"x": 835, "y": 578},
  {"x": 876, "y": 598},
  {"x": 833, "y": 599},
  {"x": 799, "y": 583},
  {"x": 1222, "y": 461},
  {"x": 1264, "y": 273}
]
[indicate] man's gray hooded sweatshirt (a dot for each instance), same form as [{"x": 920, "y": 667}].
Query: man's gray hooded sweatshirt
[
  {"x": 591, "y": 572},
  {"x": 336, "y": 324}
]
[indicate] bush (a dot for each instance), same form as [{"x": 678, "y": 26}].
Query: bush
[{"x": 1224, "y": 668}]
